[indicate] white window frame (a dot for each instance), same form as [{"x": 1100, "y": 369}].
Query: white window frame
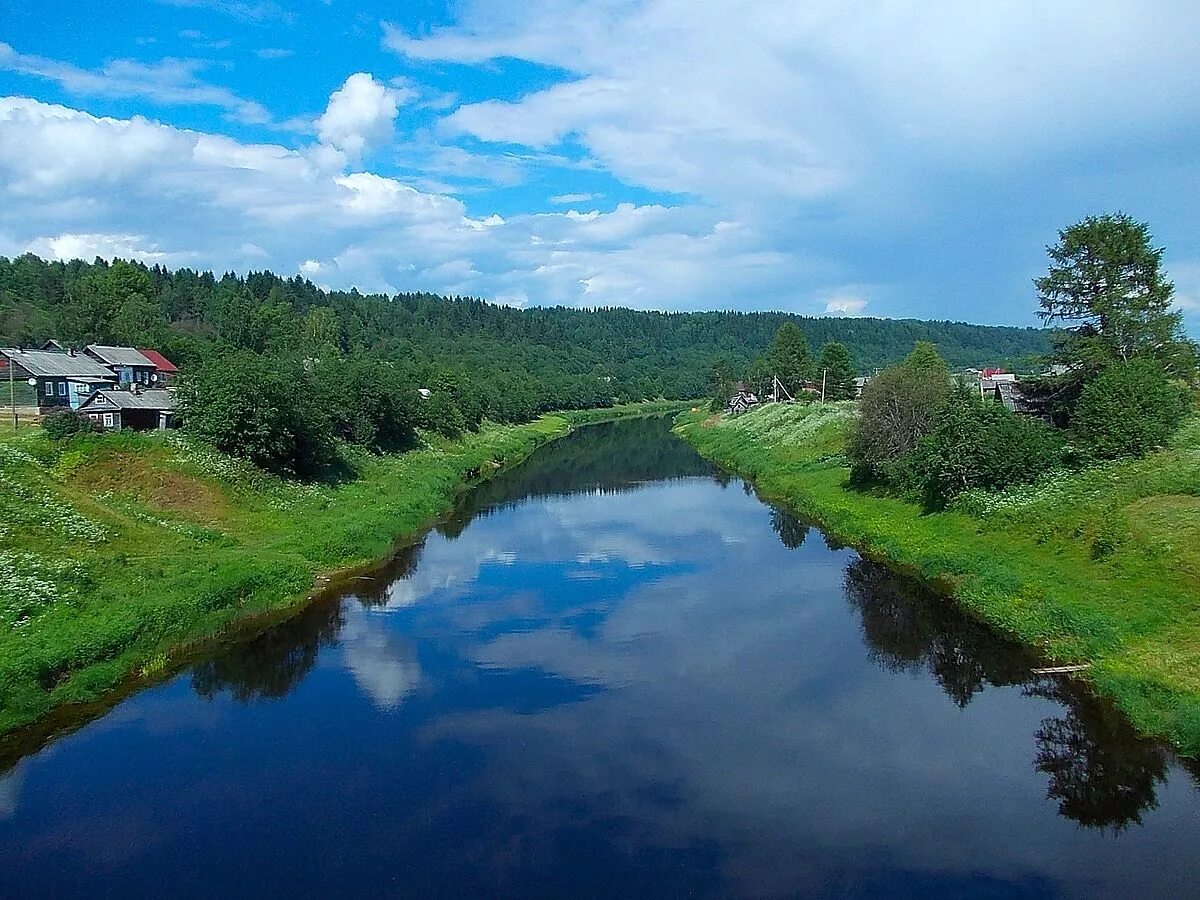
[
  {"x": 108, "y": 420},
  {"x": 62, "y": 389},
  {"x": 49, "y": 388}
]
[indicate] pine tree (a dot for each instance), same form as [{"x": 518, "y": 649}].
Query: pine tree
[{"x": 837, "y": 369}]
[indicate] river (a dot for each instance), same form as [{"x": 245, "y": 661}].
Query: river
[{"x": 614, "y": 671}]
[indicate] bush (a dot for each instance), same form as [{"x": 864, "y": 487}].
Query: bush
[
  {"x": 982, "y": 444},
  {"x": 1128, "y": 410},
  {"x": 899, "y": 407},
  {"x": 369, "y": 403},
  {"x": 265, "y": 410},
  {"x": 64, "y": 423}
]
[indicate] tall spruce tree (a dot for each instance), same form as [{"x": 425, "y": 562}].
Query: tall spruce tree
[
  {"x": 836, "y": 369},
  {"x": 1106, "y": 289},
  {"x": 789, "y": 358}
]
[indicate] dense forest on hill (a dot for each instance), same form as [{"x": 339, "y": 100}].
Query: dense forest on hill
[{"x": 539, "y": 352}]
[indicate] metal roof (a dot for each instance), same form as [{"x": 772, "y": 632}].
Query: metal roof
[
  {"x": 51, "y": 364},
  {"x": 160, "y": 362},
  {"x": 131, "y": 400},
  {"x": 119, "y": 356}
]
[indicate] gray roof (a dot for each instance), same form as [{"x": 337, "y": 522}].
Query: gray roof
[
  {"x": 130, "y": 400},
  {"x": 119, "y": 356},
  {"x": 51, "y": 364}
]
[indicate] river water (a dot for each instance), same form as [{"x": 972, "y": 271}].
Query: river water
[{"x": 614, "y": 672}]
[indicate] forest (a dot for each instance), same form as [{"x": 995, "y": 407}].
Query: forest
[{"x": 545, "y": 353}]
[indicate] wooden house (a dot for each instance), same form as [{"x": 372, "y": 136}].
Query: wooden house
[
  {"x": 742, "y": 400},
  {"x": 134, "y": 409},
  {"x": 163, "y": 367},
  {"x": 129, "y": 365},
  {"x": 60, "y": 378}
]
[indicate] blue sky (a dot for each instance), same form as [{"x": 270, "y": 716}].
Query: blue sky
[{"x": 905, "y": 158}]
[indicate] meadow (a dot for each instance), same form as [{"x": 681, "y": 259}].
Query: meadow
[{"x": 1099, "y": 567}]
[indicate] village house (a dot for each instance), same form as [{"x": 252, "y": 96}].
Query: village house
[
  {"x": 163, "y": 367},
  {"x": 59, "y": 378},
  {"x": 129, "y": 365},
  {"x": 135, "y": 409},
  {"x": 742, "y": 400}
]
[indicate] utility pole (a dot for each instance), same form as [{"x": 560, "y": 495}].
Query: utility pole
[
  {"x": 12, "y": 390},
  {"x": 824, "y": 372}
]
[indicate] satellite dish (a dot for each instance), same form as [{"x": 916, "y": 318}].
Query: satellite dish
[
  {"x": 154, "y": 376},
  {"x": 32, "y": 382}
]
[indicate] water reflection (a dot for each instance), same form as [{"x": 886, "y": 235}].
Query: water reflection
[
  {"x": 609, "y": 458},
  {"x": 1101, "y": 772},
  {"x": 273, "y": 663},
  {"x": 671, "y": 691}
]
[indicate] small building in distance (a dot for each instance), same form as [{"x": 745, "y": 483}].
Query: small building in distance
[
  {"x": 59, "y": 378},
  {"x": 742, "y": 400},
  {"x": 129, "y": 365},
  {"x": 163, "y": 367},
  {"x": 860, "y": 382},
  {"x": 134, "y": 409},
  {"x": 1004, "y": 389}
]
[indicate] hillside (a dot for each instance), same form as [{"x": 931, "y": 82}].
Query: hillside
[
  {"x": 1098, "y": 567},
  {"x": 539, "y": 350}
]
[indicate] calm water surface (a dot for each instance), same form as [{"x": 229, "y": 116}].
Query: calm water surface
[{"x": 615, "y": 672}]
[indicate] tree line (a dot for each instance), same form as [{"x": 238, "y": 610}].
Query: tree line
[
  {"x": 279, "y": 370},
  {"x": 1124, "y": 379}
]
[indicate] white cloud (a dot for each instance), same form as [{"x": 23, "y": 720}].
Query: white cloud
[
  {"x": 76, "y": 184},
  {"x": 845, "y": 306},
  {"x": 564, "y": 199},
  {"x": 273, "y": 53},
  {"x": 360, "y": 115},
  {"x": 69, "y": 246},
  {"x": 169, "y": 82}
]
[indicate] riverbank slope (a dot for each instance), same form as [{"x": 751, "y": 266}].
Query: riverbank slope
[
  {"x": 1100, "y": 567},
  {"x": 119, "y": 551}
]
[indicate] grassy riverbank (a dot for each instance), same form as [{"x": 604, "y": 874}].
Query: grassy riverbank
[
  {"x": 1098, "y": 567},
  {"x": 117, "y": 551}
]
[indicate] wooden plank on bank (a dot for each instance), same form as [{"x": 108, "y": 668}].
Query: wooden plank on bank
[{"x": 1061, "y": 670}]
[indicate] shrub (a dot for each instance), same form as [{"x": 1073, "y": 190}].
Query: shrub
[
  {"x": 1128, "y": 410},
  {"x": 369, "y": 403},
  {"x": 265, "y": 410},
  {"x": 64, "y": 423},
  {"x": 899, "y": 407},
  {"x": 982, "y": 444}
]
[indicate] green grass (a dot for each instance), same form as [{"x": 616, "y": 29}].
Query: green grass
[
  {"x": 119, "y": 552},
  {"x": 1100, "y": 566}
]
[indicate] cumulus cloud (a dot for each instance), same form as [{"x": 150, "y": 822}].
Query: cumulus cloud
[
  {"x": 845, "y": 306},
  {"x": 76, "y": 184},
  {"x": 360, "y": 115}
]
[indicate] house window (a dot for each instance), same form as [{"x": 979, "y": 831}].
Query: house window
[
  {"x": 49, "y": 388},
  {"x": 62, "y": 389},
  {"x": 108, "y": 420}
]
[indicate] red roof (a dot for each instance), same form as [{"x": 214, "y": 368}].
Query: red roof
[{"x": 160, "y": 362}]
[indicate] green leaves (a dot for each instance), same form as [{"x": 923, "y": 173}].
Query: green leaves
[{"x": 1106, "y": 287}]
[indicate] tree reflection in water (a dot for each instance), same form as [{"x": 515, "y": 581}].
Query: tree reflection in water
[
  {"x": 271, "y": 664},
  {"x": 791, "y": 531},
  {"x": 1102, "y": 774}
]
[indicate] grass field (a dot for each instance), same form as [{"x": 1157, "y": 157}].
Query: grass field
[
  {"x": 119, "y": 551},
  {"x": 1099, "y": 567}
]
